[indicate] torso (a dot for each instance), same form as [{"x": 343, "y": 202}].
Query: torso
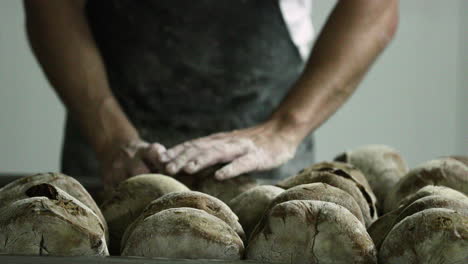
[{"x": 180, "y": 75}]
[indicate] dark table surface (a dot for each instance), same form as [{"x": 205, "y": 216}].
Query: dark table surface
[{"x": 107, "y": 260}]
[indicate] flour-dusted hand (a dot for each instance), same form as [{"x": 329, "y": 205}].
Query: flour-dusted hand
[
  {"x": 257, "y": 148},
  {"x": 131, "y": 159}
]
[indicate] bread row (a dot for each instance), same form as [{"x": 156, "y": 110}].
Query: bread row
[
  {"x": 326, "y": 213},
  {"x": 50, "y": 214}
]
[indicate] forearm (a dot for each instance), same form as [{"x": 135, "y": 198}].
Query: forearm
[
  {"x": 355, "y": 34},
  {"x": 61, "y": 40}
]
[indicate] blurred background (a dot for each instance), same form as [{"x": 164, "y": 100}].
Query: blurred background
[{"x": 415, "y": 98}]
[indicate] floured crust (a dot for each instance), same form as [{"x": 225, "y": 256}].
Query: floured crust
[
  {"x": 184, "y": 233},
  {"x": 16, "y": 190},
  {"x": 431, "y": 190},
  {"x": 432, "y": 236},
  {"x": 189, "y": 199},
  {"x": 250, "y": 206},
  {"x": 379, "y": 229},
  {"x": 130, "y": 198},
  {"x": 382, "y": 166},
  {"x": 225, "y": 190},
  {"x": 320, "y": 192},
  {"x": 434, "y": 201},
  {"x": 51, "y": 222},
  {"x": 445, "y": 172},
  {"x": 310, "y": 232},
  {"x": 343, "y": 181}
]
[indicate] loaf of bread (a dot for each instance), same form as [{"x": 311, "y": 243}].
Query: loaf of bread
[
  {"x": 50, "y": 222},
  {"x": 425, "y": 198},
  {"x": 250, "y": 205},
  {"x": 16, "y": 190},
  {"x": 184, "y": 233},
  {"x": 448, "y": 172},
  {"x": 382, "y": 166},
  {"x": 342, "y": 176},
  {"x": 129, "y": 199},
  {"x": 311, "y": 232},
  {"x": 320, "y": 192},
  {"x": 225, "y": 190},
  {"x": 190, "y": 199},
  {"x": 431, "y": 236}
]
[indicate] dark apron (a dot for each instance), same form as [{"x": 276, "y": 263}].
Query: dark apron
[{"x": 183, "y": 69}]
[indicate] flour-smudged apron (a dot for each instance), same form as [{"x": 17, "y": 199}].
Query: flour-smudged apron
[{"x": 183, "y": 69}]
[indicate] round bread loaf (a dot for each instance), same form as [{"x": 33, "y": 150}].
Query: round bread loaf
[
  {"x": 447, "y": 172},
  {"x": 250, "y": 206},
  {"x": 462, "y": 159},
  {"x": 380, "y": 228},
  {"x": 382, "y": 166},
  {"x": 431, "y": 190},
  {"x": 16, "y": 190},
  {"x": 320, "y": 192},
  {"x": 130, "y": 198},
  {"x": 343, "y": 169},
  {"x": 191, "y": 199},
  {"x": 184, "y": 233},
  {"x": 345, "y": 183},
  {"x": 349, "y": 171},
  {"x": 50, "y": 222},
  {"x": 225, "y": 190},
  {"x": 311, "y": 232},
  {"x": 432, "y": 236},
  {"x": 433, "y": 201}
]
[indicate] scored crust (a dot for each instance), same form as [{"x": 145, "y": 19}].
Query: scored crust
[
  {"x": 309, "y": 232},
  {"x": 250, "y": 206},
  {"x": 447, "y": 172},
  {"x": 382, "y": 166},
  {"x": 432, "y": 236},
  {"x": 51, "y": 222},
  {"x": 16, "y": 190},
  {"x": 184, "y": 233},
  {"x": 129, "y": 199},
  {"x": 320, "y": 192},
  {"x": 197, "y": 200},
  {"x": 340, "y": 175}
]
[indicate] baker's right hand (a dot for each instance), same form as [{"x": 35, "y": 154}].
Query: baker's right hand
[{"x": 123, "y": 161}]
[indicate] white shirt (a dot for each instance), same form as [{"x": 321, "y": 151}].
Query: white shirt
[{"x": 297, "y": 15}]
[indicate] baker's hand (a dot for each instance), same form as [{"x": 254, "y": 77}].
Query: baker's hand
[
  {"x": 257, "y": 148},
  {"x": 126, "y": 160}
]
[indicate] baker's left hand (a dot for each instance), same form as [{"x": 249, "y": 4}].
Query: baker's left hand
[{"x": 257, "y": 148}]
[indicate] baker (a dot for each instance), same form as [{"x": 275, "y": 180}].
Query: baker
[{"x": 182, "y": 85}]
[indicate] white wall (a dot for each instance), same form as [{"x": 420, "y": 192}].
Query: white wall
[
  {"x": 463, "y": 81},
  {"x": 409, "y": 98},
  {"x": 31, "y": 117},
  {"x": 414, "y": 98}
]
